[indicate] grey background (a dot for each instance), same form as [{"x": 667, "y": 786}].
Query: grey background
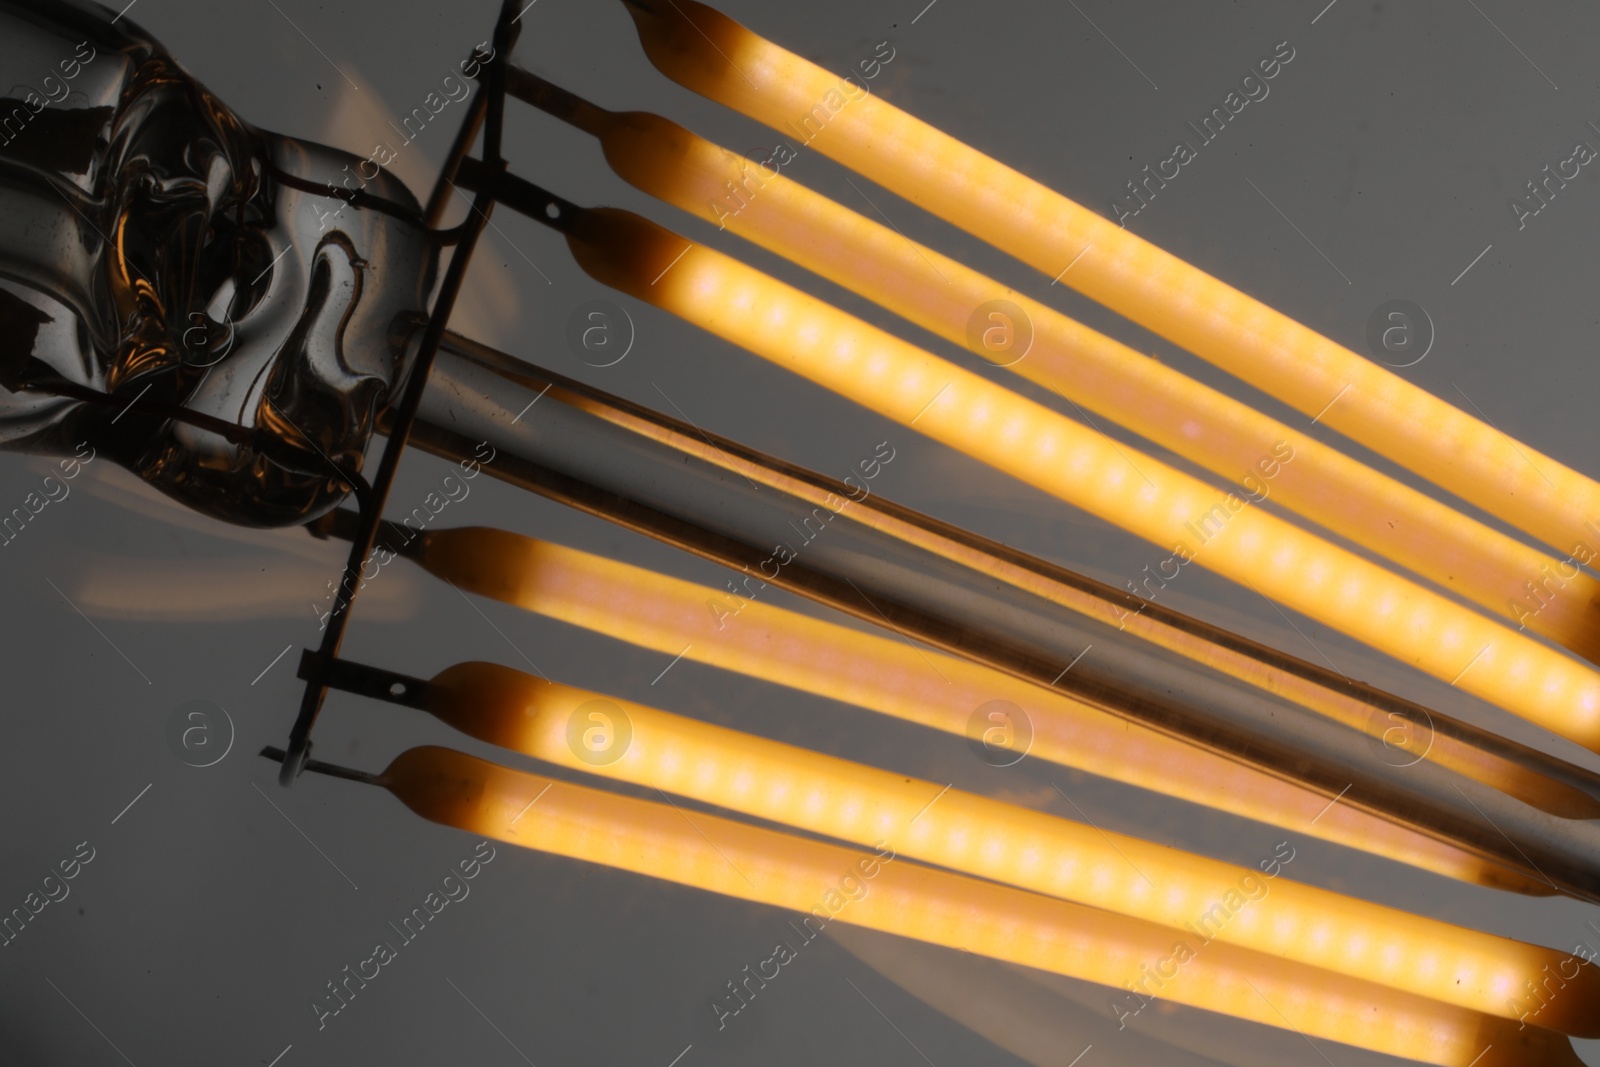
[{"x": 207, "y": 922}]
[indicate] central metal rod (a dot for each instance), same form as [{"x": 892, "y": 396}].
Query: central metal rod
[{"x": 935, "y": 583}]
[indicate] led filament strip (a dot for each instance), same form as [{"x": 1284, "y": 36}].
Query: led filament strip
[
  {"x": 710, "y": 54},
  {"x": 1084, "y": 468},
  {"x": 852, "y": 802},
  {"x": 825, "y": 659},
  {"x": 896, "y": 896},
  {"x": 1224, "y": 435}
]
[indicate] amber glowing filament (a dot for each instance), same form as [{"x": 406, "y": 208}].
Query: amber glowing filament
[
  {"x": 1173, "y": 510},
  {"x": 680, "y": 618},
  {"x": 1015, "y": 846},
  {"x": 881, "y": 890},
  {"x": 963, "y": 306},
  {"x": 711, "y": 54}
]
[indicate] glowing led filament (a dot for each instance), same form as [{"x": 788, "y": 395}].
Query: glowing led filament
[
  {"x": 1178, "y": 513},
  {"x": 1226, "y": 436},
  {"x": 680, "y": 618},
  {"x": 881, "y": 890},
  {"x": 1016, "y": 846},
  {"x": 711, "y": 54}
]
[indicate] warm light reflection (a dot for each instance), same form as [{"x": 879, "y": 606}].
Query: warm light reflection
[
  {"x": 1195, "y": 896},
  {"x": 676, "y": 618},
  {"x": 1173, "y": 510},
  {"x": 718, "y": 58},
  {"x": 1200, "y": 423},
  {"x": 899, "y": 897}
]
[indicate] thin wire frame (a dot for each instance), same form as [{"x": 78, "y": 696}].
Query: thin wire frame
[{"x": 486, "y": 113}]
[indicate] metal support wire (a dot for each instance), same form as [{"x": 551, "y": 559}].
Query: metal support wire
[{"x": 487, "y": 111}]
